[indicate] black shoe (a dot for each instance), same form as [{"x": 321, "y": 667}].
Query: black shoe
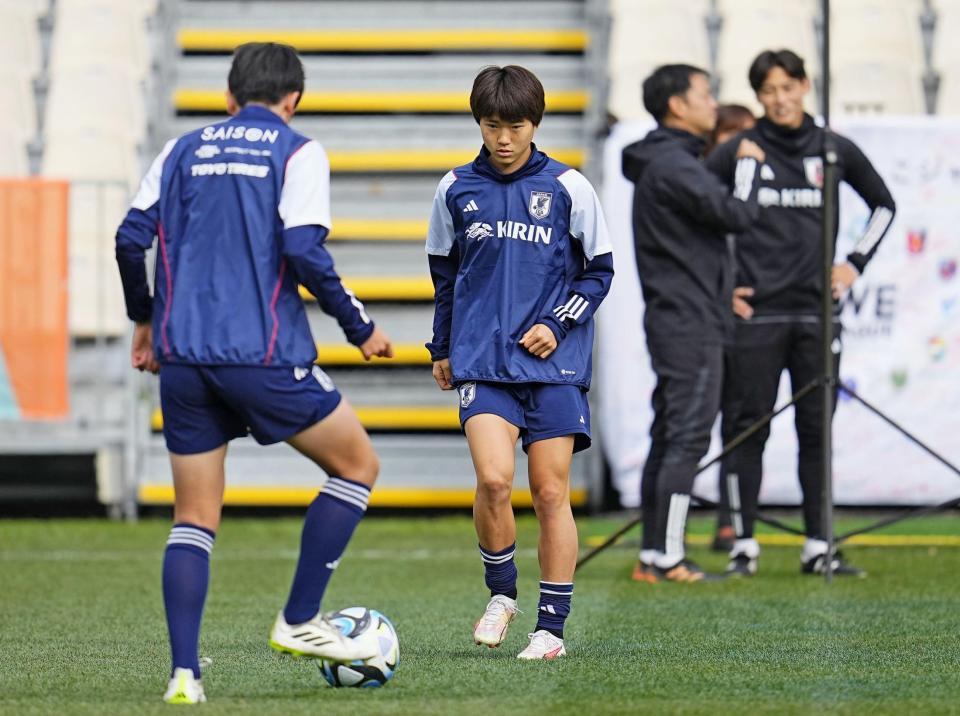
[
  {"x": 723, "y": 539},
  {"x": 841, "y": 568},
  {"x": 741, "y": 566}
]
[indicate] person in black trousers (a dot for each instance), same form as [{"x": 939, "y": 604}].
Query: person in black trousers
[
  {"x": 681, "y": 216},
  {"x": 778, "y": 297}
]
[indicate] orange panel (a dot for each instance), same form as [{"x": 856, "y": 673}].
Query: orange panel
[{"x": 33, "y": 294}]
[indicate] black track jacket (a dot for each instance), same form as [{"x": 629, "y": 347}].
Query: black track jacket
[
  {"x": 779, "y": 255},
  {"x": 681, "y": 215}
]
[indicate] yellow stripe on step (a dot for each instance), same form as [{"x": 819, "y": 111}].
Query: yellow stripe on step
[
  {"x": 398, "y": 417},
  {"x": 386, "y": 288},
  {"x": 195, "y": 39}
]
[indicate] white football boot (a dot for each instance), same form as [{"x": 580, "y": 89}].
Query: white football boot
[
  {"x": 543, "y": 646},
  {"x": 184, "y": 689},
  {"x": 492, "y": 627},
  {"x": 319, "y": 639}
]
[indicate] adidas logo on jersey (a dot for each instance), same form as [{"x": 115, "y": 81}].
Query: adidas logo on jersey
[{"x": 471, "y": 206}]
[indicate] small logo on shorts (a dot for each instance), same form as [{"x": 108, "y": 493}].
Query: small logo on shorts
[
  {"x": 582, "y": 421},
  {"x": 323, "y": 379},
  {"x": 468, "y": 391},
  {"x": 564, "y": 371},
  {"x": 300, "y": 373}
]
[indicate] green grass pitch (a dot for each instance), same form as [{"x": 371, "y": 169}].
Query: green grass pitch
[{"x": 82, "y": 630}]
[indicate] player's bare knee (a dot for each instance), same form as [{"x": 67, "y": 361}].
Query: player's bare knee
[
  {"x": 549, "y": 494},
  {"x": 364, "y": 467},
  {"x": 495, "y": 486}
]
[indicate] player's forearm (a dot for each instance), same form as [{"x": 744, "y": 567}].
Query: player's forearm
[
  {"x": 587, "y": 292},
  {"x": 313, "y": 267},
  {"x": 134, "y": 237},
  {"x": 877, "y": 227},
  {"x": 443, "y": 272}
]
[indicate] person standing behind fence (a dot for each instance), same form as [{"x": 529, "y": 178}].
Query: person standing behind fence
[
  {"x": 731, "y": 120},
  {"x": 681, "y": 216},
  {"x": 778, "y": 301},
  {"x": 242, "y": 211}
]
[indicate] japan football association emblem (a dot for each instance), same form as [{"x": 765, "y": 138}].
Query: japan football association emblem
[
  {"x": 813, "y": 169},
  {"x": 540, "y": 204},
  {"x": 468, "y": 391}
]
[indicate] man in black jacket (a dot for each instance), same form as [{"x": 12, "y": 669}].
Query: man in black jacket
[
  {"x": 681, "y": 215},
  {"x": 777, "y": 300}
]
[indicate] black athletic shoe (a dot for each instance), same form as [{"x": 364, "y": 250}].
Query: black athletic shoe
[
  {"x": 841, "y": 568},
  {"x": 723, "y": 540},
  {"x": 741, "y": 566}
]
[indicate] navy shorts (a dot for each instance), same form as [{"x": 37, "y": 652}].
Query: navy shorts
[
  {"x": 207, "y": 406},
  {"x": 541, "y": 410}
]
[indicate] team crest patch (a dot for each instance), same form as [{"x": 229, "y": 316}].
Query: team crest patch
[
  {"x": 813, "y": 169},
  {"x": 540, "y": 202},
  {"x": 468, "y": 391},
  {"x": 323, "y": 379}
]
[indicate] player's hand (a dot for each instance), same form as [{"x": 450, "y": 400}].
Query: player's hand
[
  {"x": 750, "y": 149},
  {"x": 842, "y": 278},
  {"x": 378, "y": 344},
  {"x": 443, "y": 374},
  {"x": 141, "y": 351},
  {"x": 740, "y": 305},
  {"x": 540, "y": 341}
]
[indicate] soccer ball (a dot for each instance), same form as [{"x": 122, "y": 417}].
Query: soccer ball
[{"x": 373, "y": 672}]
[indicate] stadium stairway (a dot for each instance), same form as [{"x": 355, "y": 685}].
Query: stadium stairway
[{"x": 387, "y": 95}]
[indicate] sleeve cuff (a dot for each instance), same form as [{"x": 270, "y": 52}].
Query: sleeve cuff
[
  {"x": 559, "y": 329},
  {"x": 438, "y": 351},
  {"x": 858, "y": 261},
  {"x": 359, "y": 337}
]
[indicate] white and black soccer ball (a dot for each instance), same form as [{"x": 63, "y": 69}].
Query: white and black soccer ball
[{"x": 376, "y": 671}]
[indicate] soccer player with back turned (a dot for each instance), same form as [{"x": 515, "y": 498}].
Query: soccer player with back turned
[
  {"x": 520, "y": 259},
  {"x": 779, "y": 279},
  {"x": 242, "y": 210},
  {"x": 681, "y": 216}
]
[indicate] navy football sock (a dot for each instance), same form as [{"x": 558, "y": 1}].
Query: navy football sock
[
  {"x": 186, "y": 575},
  {"x": 500, "y": 571},
  {"x": 330, "y": 522},
  {"x": 554, "y": 607}
]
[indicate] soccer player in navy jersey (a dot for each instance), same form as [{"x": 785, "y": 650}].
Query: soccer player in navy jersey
[
  {"x": 520, "y": 260},
  {"x": 242, "y": 209}
]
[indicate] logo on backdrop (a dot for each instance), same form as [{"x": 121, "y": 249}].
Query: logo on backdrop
[
  {"x": 869, "y": 310},
  {"x": 540, "y": 204},
  {"x": 813, "y": 169},
  {"x": 468, "y": 391},
  {"x": 916, "y": 240},
  {"x": 948, "y": 268}
]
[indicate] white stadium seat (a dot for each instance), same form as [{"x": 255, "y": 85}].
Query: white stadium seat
[
  {"x": 877, "y": 88},
  {"x": 876, "y": 31},
  {"x": 91, "y": 154},
  {"x": 648, "y": 33},
  {"x": 19, "y": 40},
  {"x": 752, "y": 26},
  {"x": 18, "y": 111},
  {"x": 105, "y": 98}
]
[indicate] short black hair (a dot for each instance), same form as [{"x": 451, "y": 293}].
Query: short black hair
[
  {"x": 264, "y": 72},
  {"x": 512, "y": 93},
  {"x": 787, "y": 60},
  {"x": 667, "y": 81}
]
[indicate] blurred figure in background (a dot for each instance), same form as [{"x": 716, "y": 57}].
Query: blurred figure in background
[
  {"x": 681, "y": 216},
  {"x": 731, "y": 120}
]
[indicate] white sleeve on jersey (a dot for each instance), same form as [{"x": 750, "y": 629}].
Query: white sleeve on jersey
[
  {"x": 440, "y": 234},
  {"x": 586, "y": 215},
  {"x": 305, "y": 196},
  {"x": 149, "y": 192}
]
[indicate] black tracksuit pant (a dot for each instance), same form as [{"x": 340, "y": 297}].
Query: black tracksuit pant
[
  {"x": 685, "y": 404},
  {"x": 761, "y": 351}
]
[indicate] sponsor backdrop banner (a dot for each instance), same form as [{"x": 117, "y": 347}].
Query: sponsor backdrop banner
[{"x": 901, "y": 348}]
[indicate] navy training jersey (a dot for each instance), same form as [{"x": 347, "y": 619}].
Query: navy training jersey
[
  {"x": 227, "y": 201},
  {"x": 522, "y": 242}
]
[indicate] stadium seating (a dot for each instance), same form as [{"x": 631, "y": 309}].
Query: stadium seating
[
  {"x": 876, "y": 31},
  {"x": 877, "y": 88},
  {"x": 751, "y": 26},
  {"x": 647, "y": 33}
]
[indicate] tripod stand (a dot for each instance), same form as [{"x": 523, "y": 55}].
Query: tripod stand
[{"x": 827, "y": 383}]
